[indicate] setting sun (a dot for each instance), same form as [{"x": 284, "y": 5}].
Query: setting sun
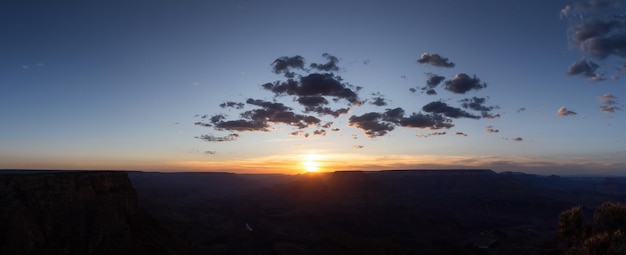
[{"x": 311, "y": 162}]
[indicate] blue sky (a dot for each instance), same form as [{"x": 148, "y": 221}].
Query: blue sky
[{"x": 120, "y": 84}]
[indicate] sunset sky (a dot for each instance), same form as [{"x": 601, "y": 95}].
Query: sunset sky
[{"x": 531, "y": 86}]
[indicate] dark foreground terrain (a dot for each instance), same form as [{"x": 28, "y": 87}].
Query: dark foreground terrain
[{"x": 386, "y": 212}]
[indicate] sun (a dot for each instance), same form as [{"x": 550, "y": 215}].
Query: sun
[{"x": 311, "y": 163}]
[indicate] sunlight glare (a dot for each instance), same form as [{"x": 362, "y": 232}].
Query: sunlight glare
[{"x": 311, "y": 162}]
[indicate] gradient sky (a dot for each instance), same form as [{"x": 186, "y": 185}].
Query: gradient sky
[{"x": 120, "y": 84}]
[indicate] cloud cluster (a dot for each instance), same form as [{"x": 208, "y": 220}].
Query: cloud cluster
[
  {"x": 564, "y": 112},
  {"x": 212, "y": 138},
  {"x": 435, "y": 60},
  {"x": 318, "y": 91},
  {"x": 598, "y": 29},
  {"x": 462, "y": 83},
  {"x": 609, "y": 103}
]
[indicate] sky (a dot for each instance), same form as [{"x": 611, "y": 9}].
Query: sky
[{"x": 288, "y": 86}]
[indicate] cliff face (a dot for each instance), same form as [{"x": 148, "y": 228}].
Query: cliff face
[{"x": 77, "y": 213}]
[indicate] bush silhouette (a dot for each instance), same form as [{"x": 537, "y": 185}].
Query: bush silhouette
[{"x": 604, "y": 235}]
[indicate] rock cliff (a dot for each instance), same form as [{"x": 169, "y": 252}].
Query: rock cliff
[{"x": 87, "y": 212}]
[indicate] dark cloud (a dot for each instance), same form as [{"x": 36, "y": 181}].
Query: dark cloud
[
  {"x": 431, "y": 83},
  {"x": 284, "y": 64},
  {"x": 426, "y": 121},
  {"x": 320, "y": 132},
  {"x": 202, "y": 124},
  {"x": 315, "y": 84},
  {"x": 335, "y": 129},
  {"x": 413, "y": 90},
  {"x": 462, "y": 83},
  {"x": 521, "y": 109},
  {"x": 242, "y": 125},
  {"x": 357, "y": 146},
  {"x": 435, "y": 60},
  {"x": 311, "y": 102},
  {"x": 609, "y": 103},
  {"x": 517, "y": 139},
  {"x": 330, "y": 66},
  {"x": 230, "y": 104},
  {"x": 378, "y": 100},
  {"x": 433, "y": 80},
  {"x": 448, "y": 111},
  {"x": 492, "y": 130},
  {"x": 210, "y": 152},
  {"x": 594, "y": 29},
  {"x": 212, "y": 138},
  {"x": 328, "y": 124},
  {"x": 476, "y": 104},
  {"x": 259, "y": 119},
  {"x": 564, "y": 112},
  {"x": 460, "y": 133},
  {"x": 585, "y": 68},
  {"x": 372, "y": 124}
]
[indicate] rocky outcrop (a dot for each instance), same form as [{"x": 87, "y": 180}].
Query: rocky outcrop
[{"x": 78, "y": 213}]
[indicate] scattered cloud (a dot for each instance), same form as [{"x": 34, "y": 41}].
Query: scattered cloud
[
  {"x": 330, "y": 66},
  {"x": 597, "y": 29},
  {"x": 230, "y": 104},
  {"x": 517, "y": 139},
  {"x": 357, "y": 146},
  {"x": 609, "y": 103},
  {"x": 460, "y": 133},
  {"x": 318, "y": 93},
  {"x": 210, "y": 152},
  {"x": 378, "y": 99},
  {"x": 564, "y": 112},
  {"x": 435, "y": 60},
  {"x": 462, "y": 83},
  {"x": 490, "y": 129},
  {"x": 448, "y": 111},
  {"x": 521, "y": 109},
  {"x": 212, "y": 138},
  {"x": 586, "y": 69}
]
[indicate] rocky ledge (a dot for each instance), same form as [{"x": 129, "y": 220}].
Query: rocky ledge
[{"x": 86, "y": 212}]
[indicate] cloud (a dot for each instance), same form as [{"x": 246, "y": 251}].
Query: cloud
[
  {"x": 434, "y": 60},
  {"x": 460, "y": 133},
  {"x": 597, "y": 28},
  {"x": 433, "y": 80},
  {"x": 357, "y": 146},
  {"x": 609, "y": 103},
  {"x": 517, "y": 139},
  {"x": 585, "y": 68},
  {"x": 315, "y": 84},
  {"x": 212, "y": 138},
  {"x": 521, "y": 109},
  {"x": 431, "y": 83},
  {"x": 462, "y": 83},
  {"x": 284, "y": 64},
  {"x": 309, "y": 94},
  {"x": 448, "y": 111},
  {"x": 210, "y": 152},
  {"x": 492, "y": 130},
  {"x": 320, "y": 132},
  {"x": 378, "y": 100},
  {"x": 426, "y": 121},
  {"x": 330, "y": 66},
  {"x": 564, "y": 112},
  {"x": 372, "y": 124},
  {"x": 230, "y": 104}
]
